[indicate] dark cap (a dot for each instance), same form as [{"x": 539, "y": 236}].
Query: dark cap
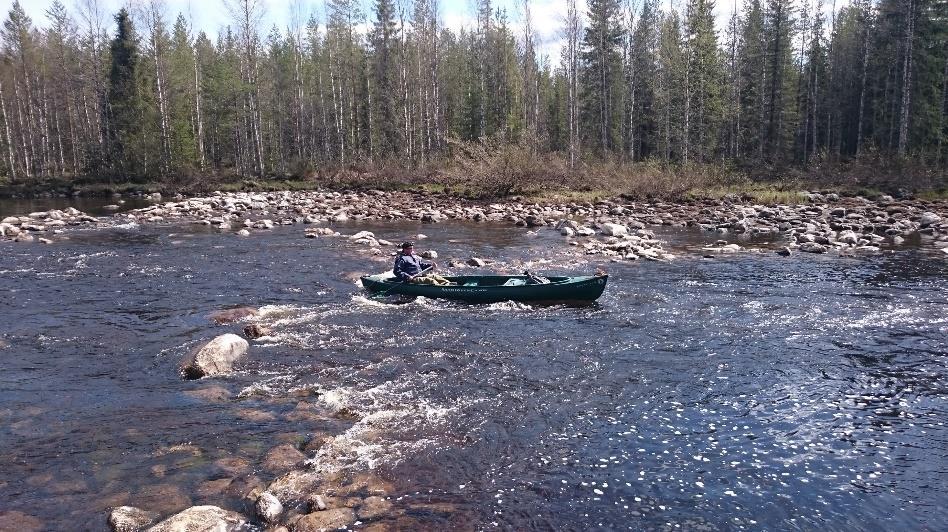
[{"x": 408, "y": 245}]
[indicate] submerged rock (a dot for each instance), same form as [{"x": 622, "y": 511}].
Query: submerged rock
[
  {"x": 131, "y": 519},
  {"x": 233, "y": 314},
  {"x": 201, "y": 518},
  {"x": 254, "y": 331},
  {"x": 19, "y": 521},
  {"x": 283, "y": 458},
  {"x": 374, "y": 507},
  {"x": 327, "y": 520},
  {"x": 216, "y": 357}
]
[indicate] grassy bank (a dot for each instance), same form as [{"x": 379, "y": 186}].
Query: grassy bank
[{"x": 476, "y": 172}]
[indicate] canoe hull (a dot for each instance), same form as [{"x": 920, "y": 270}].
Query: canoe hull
[{"x": 562, "y": 289}]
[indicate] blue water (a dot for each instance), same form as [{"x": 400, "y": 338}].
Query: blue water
[{"x": 745, "y": 392}]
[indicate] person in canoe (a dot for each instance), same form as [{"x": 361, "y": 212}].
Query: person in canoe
[{"x": 411, "y": 269}]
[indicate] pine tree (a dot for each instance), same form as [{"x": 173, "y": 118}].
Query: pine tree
[{"x": 644, "y": 42}]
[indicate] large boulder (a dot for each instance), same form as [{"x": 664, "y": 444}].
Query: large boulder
[
  {"x": 201, "y": 519},
  {"x": 268, "y": 507},
  {"x": 928, "y": 218},
  {"x": 131, "y": 519},
  {"x": 216, "y": 357}
]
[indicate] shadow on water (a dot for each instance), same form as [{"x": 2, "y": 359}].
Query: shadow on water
[{"x": 742, "y": 392}]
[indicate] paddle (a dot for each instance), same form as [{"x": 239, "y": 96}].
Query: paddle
[{"x": 385, "y": 293}]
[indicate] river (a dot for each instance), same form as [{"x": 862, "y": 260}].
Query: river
[{"x": 750, "y": 391}]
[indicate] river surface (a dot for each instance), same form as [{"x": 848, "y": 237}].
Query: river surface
[{"x": 747, "y": 392}]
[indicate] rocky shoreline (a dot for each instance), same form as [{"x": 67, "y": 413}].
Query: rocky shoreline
[
  {"x": 617, "y": 229},
  {"x": 303, "y": 496}
]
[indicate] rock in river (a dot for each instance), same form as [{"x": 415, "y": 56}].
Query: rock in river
[
  {"x": 268, "y": 507},
  {"x": 328, "y": 520},
  {"x": 216, "y": 357},
  {"x": 210, "y": 518},
  {"x": 254, "y": 331},
  {"x": 232, "y": 314}
]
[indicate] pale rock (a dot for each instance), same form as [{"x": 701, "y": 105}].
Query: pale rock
[
  {"x": 201, "y": 519},
  {"x": 728, "y": 248},
  {"x": 362, "y": 234},
  {"x": 11, "y": 220},
  {"x": 131, "y": 519},
  {"x": 243, "y": 232},
  {"x": 567, "y": 231},
  {"x": 476, "y": 262},
  {"x": 812, "y": 247},
  {"x": 429, "y": 254},
  {"x": 848, "y": 237},
  {"x": 928, "y": 218},
  {"x": 216, "y": 357},
  {"x": 268, "y": 507},
  {"x": 610, "y": 229}
]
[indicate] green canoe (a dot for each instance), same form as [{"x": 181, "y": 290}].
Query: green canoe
[{"x": 494, "y": 288}]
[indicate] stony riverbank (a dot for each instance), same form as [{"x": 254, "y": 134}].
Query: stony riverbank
[{"x": 617, "y": 229}]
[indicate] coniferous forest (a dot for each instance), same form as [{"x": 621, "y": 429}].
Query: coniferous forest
[{"x": 786, "y": 86}]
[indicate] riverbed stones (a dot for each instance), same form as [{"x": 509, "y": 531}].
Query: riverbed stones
[
  {"x": 216, "y": 357},
  {"x": 131, "y": 519},
  {"x": 332, "y": 519},
  {"x": 19, "y": 521},
  {"x": 201, "y": 518},
  {"x": 373, "y": 508},
  {"x": 476, "y": 262}
]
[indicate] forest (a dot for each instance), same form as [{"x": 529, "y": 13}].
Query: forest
[{"x": 387, "y": 93}]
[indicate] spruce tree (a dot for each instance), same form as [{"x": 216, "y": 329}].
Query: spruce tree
[
  {"x": 602, "y": 77},
  {"x": 124, "y": 101},
  {"x": 385, "y": 74},
  {"x": 705, "y": 81}
]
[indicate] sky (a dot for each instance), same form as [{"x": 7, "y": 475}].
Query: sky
[{"x": 211, "y": 15}]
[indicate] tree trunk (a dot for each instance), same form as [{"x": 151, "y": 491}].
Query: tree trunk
[
  {"x": 906, "y": 78},
  {"x": 9, "y": 140}
]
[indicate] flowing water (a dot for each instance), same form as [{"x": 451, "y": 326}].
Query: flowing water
[{"x": 746, "y": 392}]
